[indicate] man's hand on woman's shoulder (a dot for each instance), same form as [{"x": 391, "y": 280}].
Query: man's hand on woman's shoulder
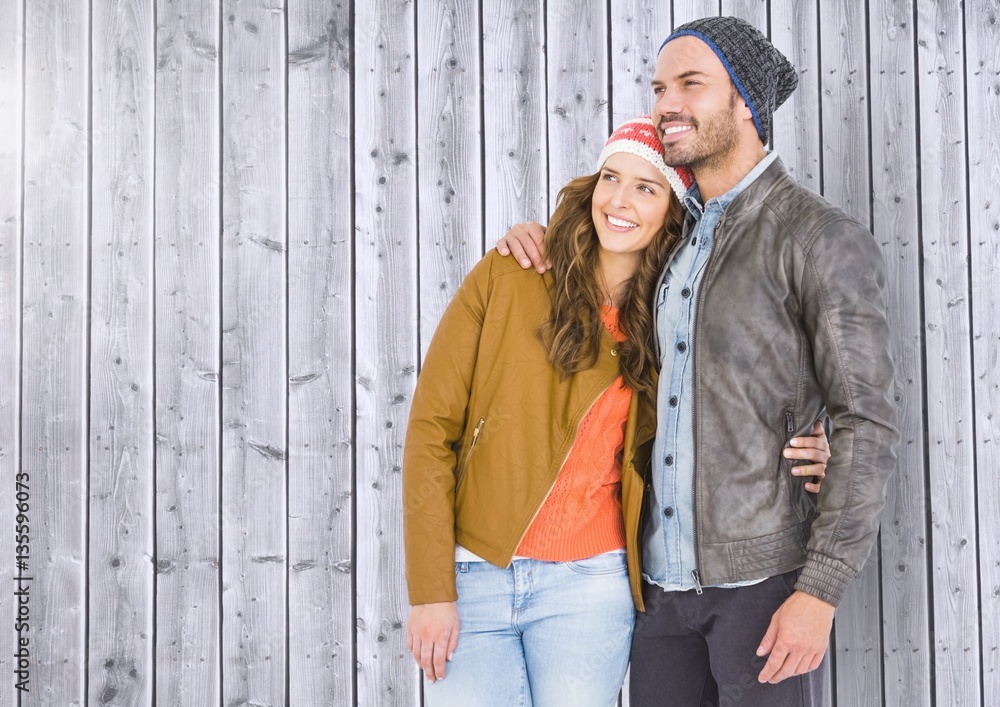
[{"x": 524, "y": 242}]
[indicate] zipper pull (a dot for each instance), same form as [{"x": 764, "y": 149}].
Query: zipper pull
[
  {"x": 475, "y": 432},
  {"x": 697, "y": 582}
]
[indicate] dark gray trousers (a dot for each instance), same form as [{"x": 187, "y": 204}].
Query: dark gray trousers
[{"x": 691, "y": 650}]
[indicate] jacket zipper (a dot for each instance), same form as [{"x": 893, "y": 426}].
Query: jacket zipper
[
  {"x": 468, "y": 455},
  {"x": 696, "y": 572},
  {"x": 565, "y": 459},
  {"x": 789, "y": 423}
]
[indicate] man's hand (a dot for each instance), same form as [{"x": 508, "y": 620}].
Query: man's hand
[
  {"x": 797, "y": 637},
  {"x": 524, "y": 242},
  {"x": 816, "y": 450},
  {"x": 432, "y": 635}
]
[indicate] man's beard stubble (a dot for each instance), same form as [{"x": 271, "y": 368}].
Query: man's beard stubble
[{"x": 715, "y": 139}]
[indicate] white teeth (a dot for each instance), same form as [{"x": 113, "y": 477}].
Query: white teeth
[
  {"x": 676, "y": 129},
  {"x": 620, "y": 223}
]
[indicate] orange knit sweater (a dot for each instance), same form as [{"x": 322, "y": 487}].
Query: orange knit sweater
[{"x": 582, "y": 515}]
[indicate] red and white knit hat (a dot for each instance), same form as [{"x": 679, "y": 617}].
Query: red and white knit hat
[{"x": 638, "y": 137}]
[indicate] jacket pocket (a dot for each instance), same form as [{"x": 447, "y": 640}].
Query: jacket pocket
[
  {"x": 800, "y": 505},
  {"x": 460, "y": 475},
  {"x": 785, "y": 468}
]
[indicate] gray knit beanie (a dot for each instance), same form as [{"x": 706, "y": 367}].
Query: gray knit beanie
[{"x": 762, "y": 74}]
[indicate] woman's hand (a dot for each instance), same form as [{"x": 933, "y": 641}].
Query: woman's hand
[
  {"x": 432, "y": 635},
  {"x": 816, "y": 450}
]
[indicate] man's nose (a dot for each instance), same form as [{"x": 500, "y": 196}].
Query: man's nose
[{"x": 666, "y": 102}]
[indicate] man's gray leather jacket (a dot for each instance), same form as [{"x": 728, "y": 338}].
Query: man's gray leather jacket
[{"x": 791, "y": 318}]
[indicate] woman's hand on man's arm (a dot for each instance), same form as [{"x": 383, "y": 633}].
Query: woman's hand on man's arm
[{"x": 816, "y": 451}]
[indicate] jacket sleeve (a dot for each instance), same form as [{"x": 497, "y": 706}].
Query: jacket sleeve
[
  {"x": 436, "y": 425},
  {"x": 844, "y": 311}
]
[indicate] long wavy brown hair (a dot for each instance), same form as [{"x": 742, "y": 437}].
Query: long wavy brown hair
[{"x": 572, "y": 332}]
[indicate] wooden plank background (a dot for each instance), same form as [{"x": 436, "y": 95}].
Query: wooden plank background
[{"x": 228, "y": 230}]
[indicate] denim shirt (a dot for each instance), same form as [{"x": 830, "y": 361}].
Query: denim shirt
[{"x": 668, "y": 542}]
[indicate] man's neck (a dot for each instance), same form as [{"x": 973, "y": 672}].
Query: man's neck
[{"x": 714, "y": 181}]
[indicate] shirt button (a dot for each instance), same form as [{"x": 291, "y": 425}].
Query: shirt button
[
  {"x": 673, "y": 401},
  {"x": 686, "y": 292},
  {"x": 668, "y": 511},
  {"x": 669, "y": 461},
  {"x": 682, "y": 347}
]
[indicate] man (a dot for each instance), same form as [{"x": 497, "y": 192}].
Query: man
[{"x": 770, "y": 309}]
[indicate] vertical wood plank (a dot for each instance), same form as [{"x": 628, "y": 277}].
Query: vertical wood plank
[
  {"x": 55, "y": 291},
  {"x": 687, "y": 10},
  {"x": 577, "y": 70},
  {"x": 753, "y": 11},
  {"x": 387, "y": 345},
  {"x": 254, "y": 351},
  {"x": 905, "y": 597},
  {"x": 120, "y": 580},
  {"x": 950, "y": 422},
  {"x": 11, "y": 252},
  {"x": 796, "y": 133},
  {"x": 188, "y": 342},
  {"x": 638, "y": 27},
  {"x": 450, "y": 149},
  {"x": 982, "y": 44},
  {"x": 846, "y": 180},
  {"x": 514, "y": 129},
  {"x": 321, "y": 355}
]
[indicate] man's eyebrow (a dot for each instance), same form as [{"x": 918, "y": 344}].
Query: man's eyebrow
[{"x": 685, "y": 75}]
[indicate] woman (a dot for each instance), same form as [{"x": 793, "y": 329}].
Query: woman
[{"x": 529, "y": 434}]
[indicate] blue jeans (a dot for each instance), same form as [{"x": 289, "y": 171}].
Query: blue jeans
[{"x": 539, "y": 634}]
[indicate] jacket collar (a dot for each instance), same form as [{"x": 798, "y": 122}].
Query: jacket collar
[{"x": 758, "y": 190}]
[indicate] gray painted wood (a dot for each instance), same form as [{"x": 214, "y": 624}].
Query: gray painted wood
[
  {"x": 638, "y": 28},
  {"x": 846, "y": 181},
  {"x": 120, "y": 577},
  {"x": 687, "y": 10},
  {"x": 387, "y": 348},
  {"x": 188, "y": 342},
  {"x": 982, "y": 66},
  {"x": 753, "y": 11},
  {"x": 514, "y": 105},
  {"x": 577, "y": 70},
  {"x": 321, "y": 356},
  {"x": 896, "y": 224},
  {"x": 795, "y": 133},
  {"x": 950, "y": 421},
  {"x": 54, "y": 319},
  {"x": 11, "y": 246},
  {"x": 450, "y": 150},
  {"x": 254, "y": 355}
]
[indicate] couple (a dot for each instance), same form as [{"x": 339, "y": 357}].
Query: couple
[{"x": 610, "y": 434}]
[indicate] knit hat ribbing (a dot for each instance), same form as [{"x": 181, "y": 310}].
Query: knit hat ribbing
[
  {"x": 763, "y": 75},
  {"x": 638, "y": 137}
]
